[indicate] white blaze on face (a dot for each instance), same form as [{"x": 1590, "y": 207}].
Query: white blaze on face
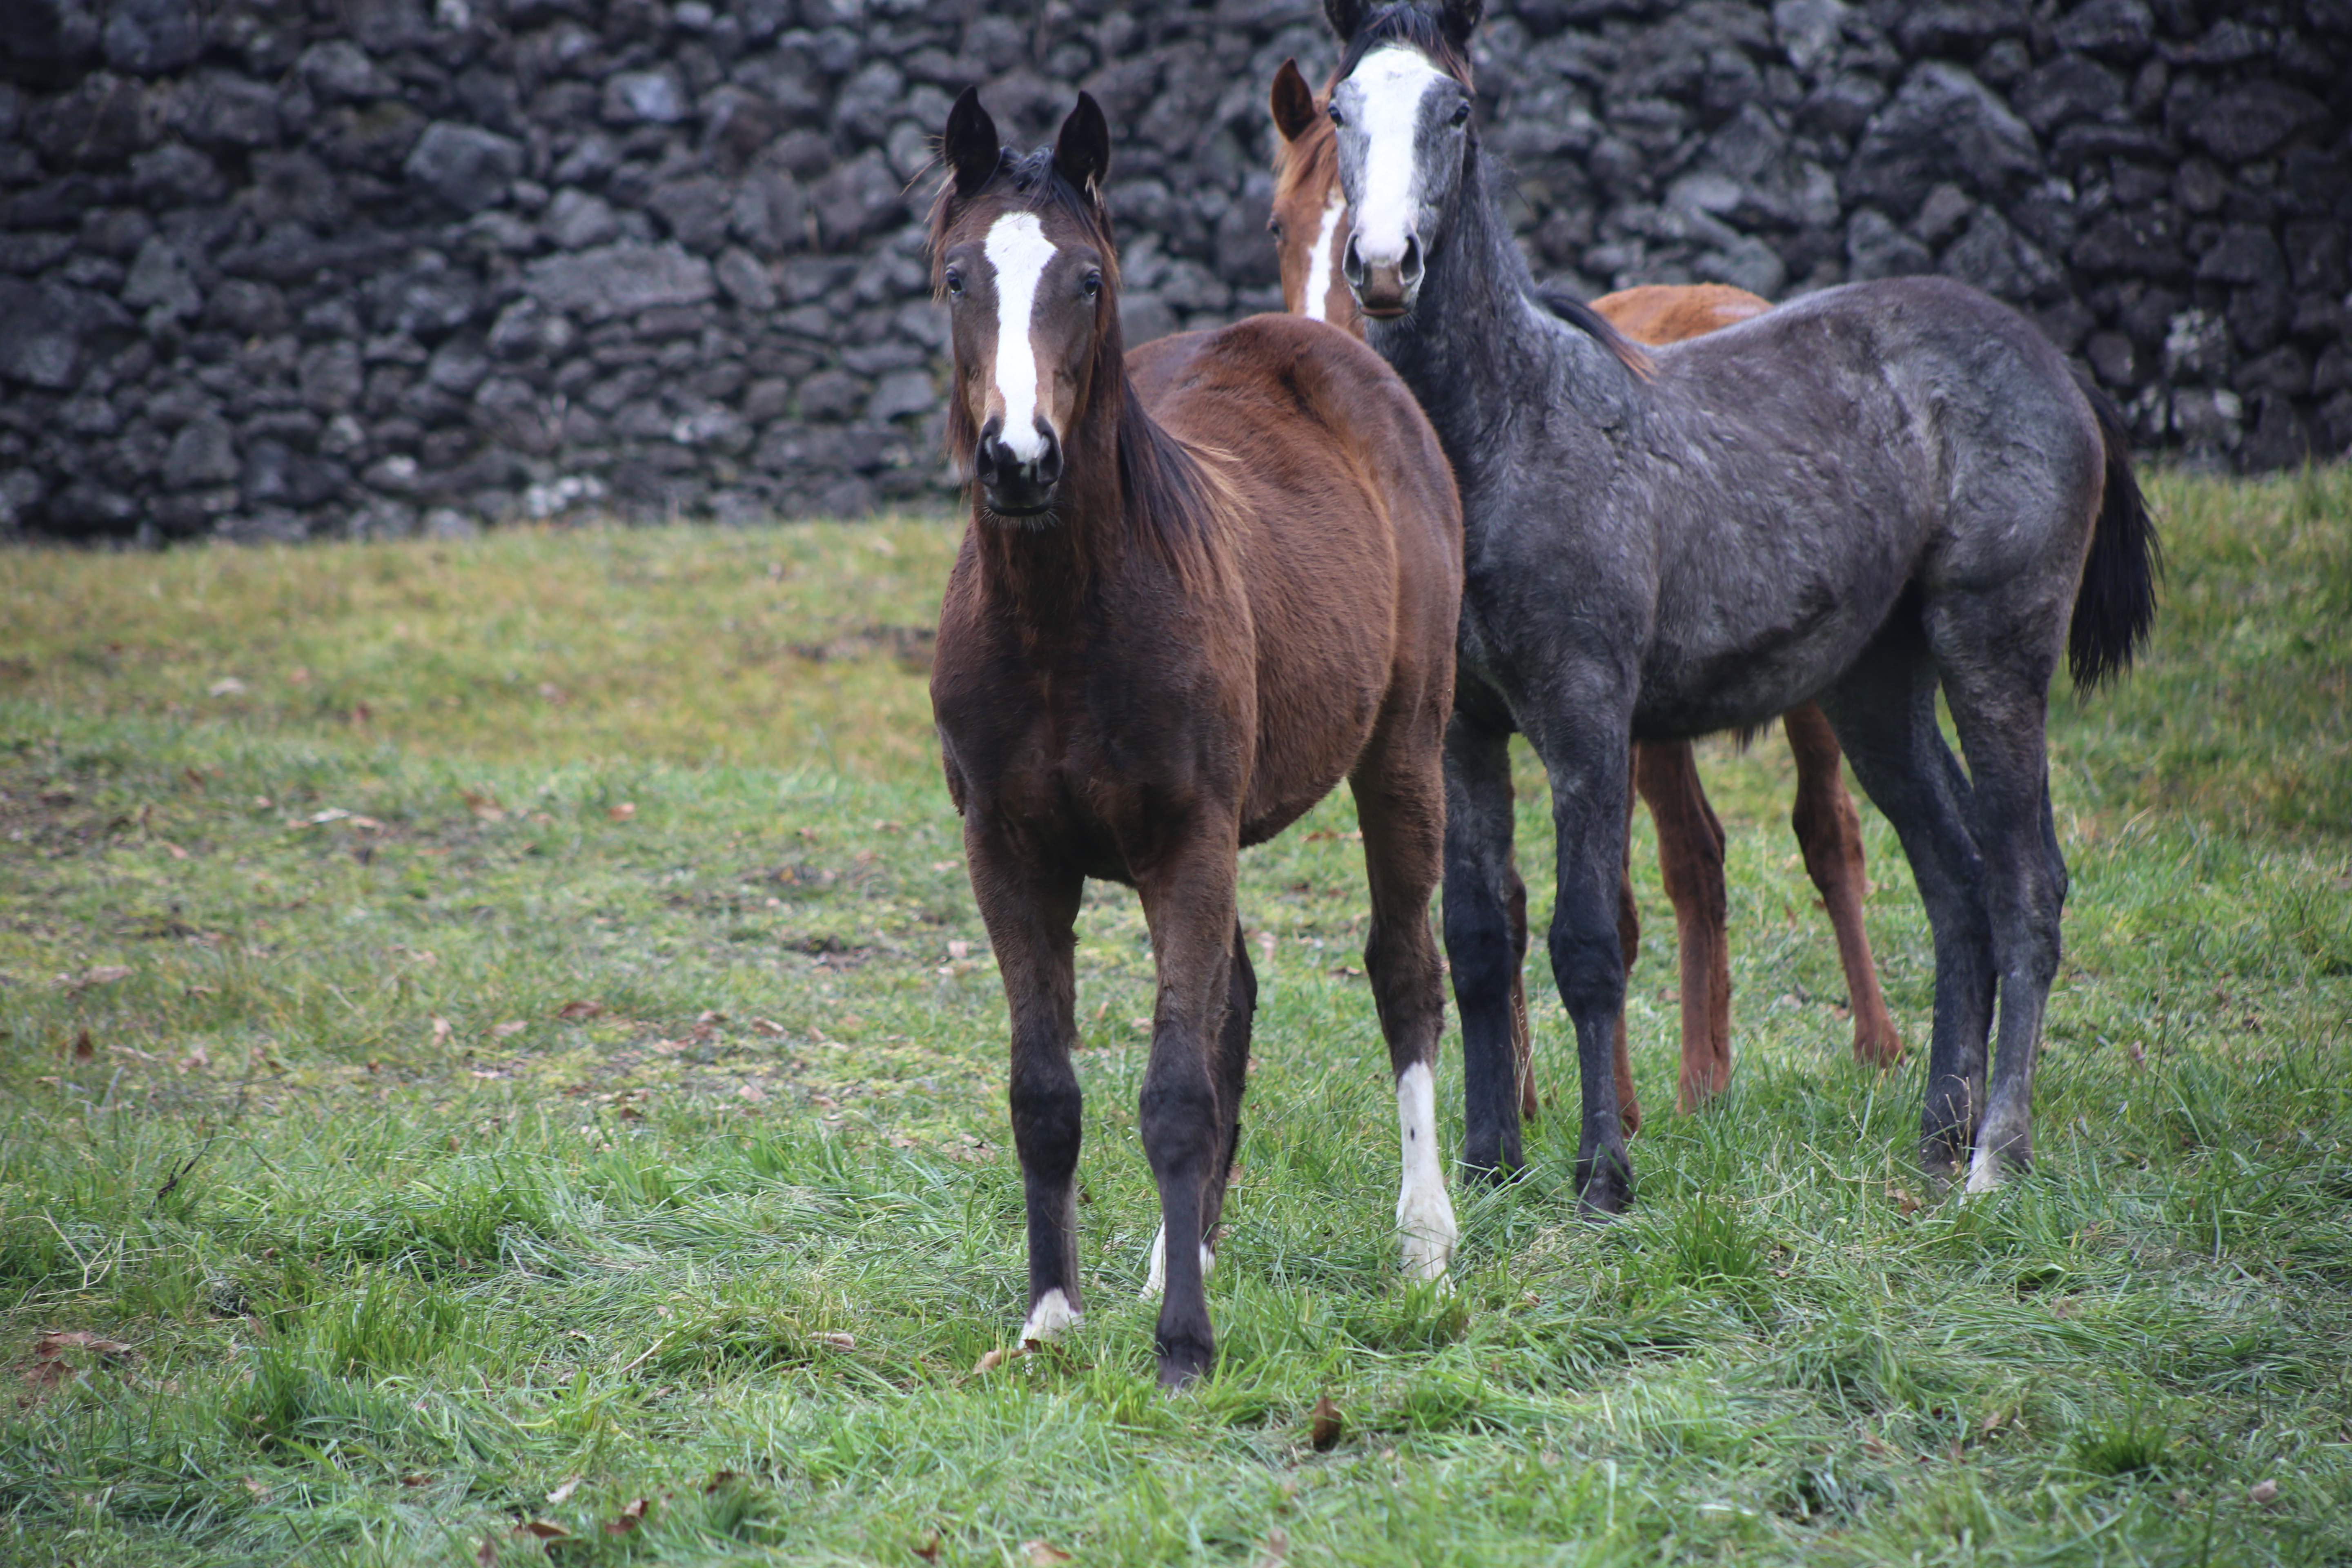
[
  {"x": 1391, "y": 84},
  {"x": 1424, "y": 1214},
  {"x": 1322, "y": 256},
  {"x": 1018, "y": 249}
]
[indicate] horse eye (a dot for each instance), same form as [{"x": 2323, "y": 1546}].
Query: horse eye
[
  {"x": 1334, "y": 112},
  {"x": 955, "y": 281},
  {"x": 1461, "y": 113},
  {"x": 1274, "y": 226},
  {"x": 1092, "y": 285}
]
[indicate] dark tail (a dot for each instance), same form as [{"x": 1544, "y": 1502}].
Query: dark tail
[{"x": 2117, "y": 602}]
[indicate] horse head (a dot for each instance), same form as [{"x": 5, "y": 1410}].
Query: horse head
[
  {"x": 1401, "y": 111},
  {"x": 1021, "y": 254},
  {"x": 1310, "y": 212}
]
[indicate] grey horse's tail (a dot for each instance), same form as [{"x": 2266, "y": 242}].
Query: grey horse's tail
[{"x": 2117, "y": 602}]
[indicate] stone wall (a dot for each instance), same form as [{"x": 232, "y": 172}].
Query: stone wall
[{"x": 287, "y": 268}]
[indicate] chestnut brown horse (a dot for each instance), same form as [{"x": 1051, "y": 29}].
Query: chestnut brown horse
[
  {"x": 1202, "y": 583},
  {"x": 1309, "y": 225}
]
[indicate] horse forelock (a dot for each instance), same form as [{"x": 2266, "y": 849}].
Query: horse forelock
[{"x": 1411, "y": 27}]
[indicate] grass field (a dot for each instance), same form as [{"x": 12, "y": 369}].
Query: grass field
[{"x": 500, "y": 1065}]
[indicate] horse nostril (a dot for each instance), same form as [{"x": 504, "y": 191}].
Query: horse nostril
[
  {"x": 1352, "y": 264},
  {"x": 1049, "y": 461},
  {"x": 1411, "y": 270}
]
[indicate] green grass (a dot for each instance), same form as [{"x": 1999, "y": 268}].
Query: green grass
[{"x": 497, "y": 1036}]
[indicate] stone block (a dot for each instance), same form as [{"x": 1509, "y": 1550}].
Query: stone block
[
  {"x": 464, "y": 165},
  {"x": 619, "y": 279}
]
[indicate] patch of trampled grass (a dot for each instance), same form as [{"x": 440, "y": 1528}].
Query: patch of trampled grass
[{"x": 569, "y": 1096}]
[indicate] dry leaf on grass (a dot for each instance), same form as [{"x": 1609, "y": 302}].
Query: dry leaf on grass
[
  {"x": 544, "y": 1529},
  {"x": 81, "y": 1340},
  {"x": 717, "y": 1478},
  {"x": 2264, "y": 1492},
  {"x": 632, "y": 1515},
  {"x": 82, "y": 1048},
  {"x": 1277, "y": 1548},
  {"x": 511, "y": 1027},
  {"x": 106, "y": 973},
  {"x": 1325, "y": 1424},
  {"x": 483, "y": 805},
  {"x": 623, "y": 811},
  {"x": 441, "y": 1030},
  {"x": 565, "y": 1491},
  {"x": 579, "y": 1010},
  {"x": 997, "y": 1358},
  {"x": 1045, "y": 1553},
  {"x": 487, "y": 1554},
  {"x": 927, "y": 1547},
  {"x": 836, "y": 1342}
]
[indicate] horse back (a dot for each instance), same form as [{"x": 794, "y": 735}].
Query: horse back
[{"x": 1347, "y": 529}]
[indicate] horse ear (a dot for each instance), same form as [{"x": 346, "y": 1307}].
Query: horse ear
[
  {"x": 1457, "y": 19},
  {"x": 970, "y": 146},
  {"x": 1082, "y": 151},
  {"x": 1346, "y": 16},
  {"x": 1294, "y": 102}
]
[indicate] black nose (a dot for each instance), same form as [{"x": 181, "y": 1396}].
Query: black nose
[
  {"x": 1017, "y": 482},
  {"x": 995, "y": 461}
]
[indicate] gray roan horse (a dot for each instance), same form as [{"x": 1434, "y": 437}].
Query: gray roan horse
[{"x": 1852, "y": 499}]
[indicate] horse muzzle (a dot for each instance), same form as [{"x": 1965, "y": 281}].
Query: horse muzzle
[
  {"x": 1385, "y": 287},
  {"x": 1014, "y": 483}
]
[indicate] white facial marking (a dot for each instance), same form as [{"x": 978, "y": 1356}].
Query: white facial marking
[
  {"x": 1048, "y": 1318},
  {"x": 1017, "y": 247},
  {"x": 1424, "y": 1214},
  {"x": 1391, "y": 83},
  {"x": 1319, "y": 260},
  {"x": 1155, "y": 1278}
]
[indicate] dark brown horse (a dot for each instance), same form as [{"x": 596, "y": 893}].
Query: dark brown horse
[
  {"x": 1310, "y": 226},
  {"x": 1201, "y": 586}
]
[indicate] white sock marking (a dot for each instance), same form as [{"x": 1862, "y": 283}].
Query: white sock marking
[
  {"x": 1155, "y": 1274},
  {"x": 1391, "y": 84},
  {"x": 1322, "y": 258},
  {"x": 1048, "y": 1318},
  {"x": 1017, "y": 247},
  {"x": 1984, "y": 1171},
  {"x": 1424, "y": 1214}
]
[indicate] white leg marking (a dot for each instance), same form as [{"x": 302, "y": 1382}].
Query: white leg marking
[
  {"x": 1048, "y": 1318},
  {"x": 1984, "y": 1170},
  {"x": 1391, "y": 83},
  {"x": 1017, "y": 247},
  {"x": 1324, "y": 257},
  {"x": 1155, "y": 1276},
  {"x": 1424, "y": 1214}
]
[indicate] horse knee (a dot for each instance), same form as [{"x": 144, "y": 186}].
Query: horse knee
[
  {"x": 1590, "y": 969},
  {"x": 1179, "y": 1123},
  {"x": 1048, "y": 1114}
]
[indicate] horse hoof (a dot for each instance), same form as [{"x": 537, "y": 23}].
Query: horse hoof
[
  {"x": 1049, "y": 1319},
  {"x": 1604, "y": 1193},
  {"x": 1878, "y": 1050},
  {"x": 1179, "y": 1364}
]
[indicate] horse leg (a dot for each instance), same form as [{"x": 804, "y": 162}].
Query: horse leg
[
  {"x": 2000, "y": 711},
  {"x": 1690, "y": 862},
  {"x": 1184, "y": 1114},
  {"x": 1232, "y": 1068},
  {"x": 1585, "y": 752},
  {"x": 1400, "y": 791},
  {"x": 1523, "y": 1034},
  {"x": 1629, "y": 943},
  {"x": 1884, "y": 712},
  {"x": 1480, "y": 946},
  {"x": 1030, "y": 912},
  {"x": 1830, "y": 832}
]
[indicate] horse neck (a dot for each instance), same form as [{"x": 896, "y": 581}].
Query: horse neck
[{"x": 1478, "y": 349}]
